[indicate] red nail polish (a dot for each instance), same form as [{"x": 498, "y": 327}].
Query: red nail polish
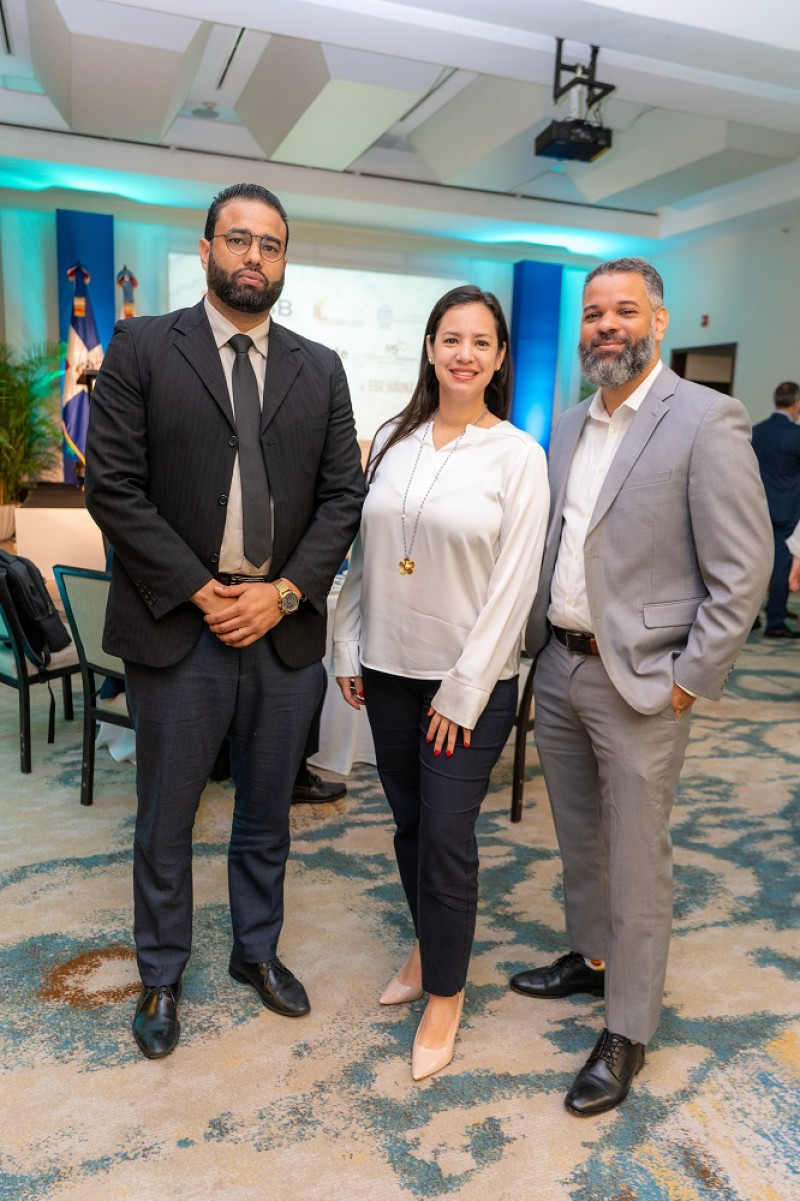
[
  {"x": 466, "y": 746},
  {"x": 429, "y": 739},
  {"x": 449, "y": 754},
  {"x": 437, "y": 753}
]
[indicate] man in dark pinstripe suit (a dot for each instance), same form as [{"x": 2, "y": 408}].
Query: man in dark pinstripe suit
[{"x": 215, "y": 645}]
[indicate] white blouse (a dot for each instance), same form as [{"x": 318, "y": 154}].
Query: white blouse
[{"x": 477, "y": 553}]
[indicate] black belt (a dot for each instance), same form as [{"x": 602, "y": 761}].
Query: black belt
[
  {"x": 227, "y": 580},
  {"x": 575, "y": 641}
]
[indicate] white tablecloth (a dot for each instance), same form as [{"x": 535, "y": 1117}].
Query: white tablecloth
[{"x": 344, "y": 737}]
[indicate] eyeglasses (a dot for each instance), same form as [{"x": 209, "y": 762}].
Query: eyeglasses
[{"x": 240, "y": 241}]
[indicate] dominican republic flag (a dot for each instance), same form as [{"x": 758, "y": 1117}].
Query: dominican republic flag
[
  {"x": 84, "y": 356},
  {"x": 127, "y": 281}
]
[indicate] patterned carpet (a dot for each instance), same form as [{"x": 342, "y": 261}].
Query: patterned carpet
[{"x": 252, "y": 1105}]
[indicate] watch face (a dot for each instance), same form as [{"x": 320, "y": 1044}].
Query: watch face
[{"x": 289, "y": 601}]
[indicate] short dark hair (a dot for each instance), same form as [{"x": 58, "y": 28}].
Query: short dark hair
[
  {"x": 243, "y": 191},
  {"x": 786, "y": 394},
  {"x": 654, "y": 284}
]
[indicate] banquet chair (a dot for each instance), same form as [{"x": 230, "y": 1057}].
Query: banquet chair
[
  {"x": 20, "y": 669},
  {"x": 524, "y": 725},
  {"x": 84, "y": 593}
]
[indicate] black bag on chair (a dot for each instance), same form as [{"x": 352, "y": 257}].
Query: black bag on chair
[{"x": 42, "y": 626}]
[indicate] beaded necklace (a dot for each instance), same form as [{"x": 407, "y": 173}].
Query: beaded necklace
[{"x": 406, "y": 565}]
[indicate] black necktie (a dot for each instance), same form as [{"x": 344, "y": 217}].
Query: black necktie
[{"x": 256, "y": 516}]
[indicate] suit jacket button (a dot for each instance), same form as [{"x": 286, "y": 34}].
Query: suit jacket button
[
  {"x": 213, "y": 559},
  {"x": 222, "y": 500},
  {"x": 233, "y": 440}
]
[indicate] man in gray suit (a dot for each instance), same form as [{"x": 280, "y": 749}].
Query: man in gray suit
[
  {"x": 223, "y": 467},
  {"x": 655, "y": 563}
]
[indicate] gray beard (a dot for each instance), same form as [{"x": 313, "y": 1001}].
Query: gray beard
[{"x": 615, "y": 372}]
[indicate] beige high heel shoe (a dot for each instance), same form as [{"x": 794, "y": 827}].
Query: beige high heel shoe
[
  {"x": 397, "y": 993},
  {"x": 427, "y": 1060}
]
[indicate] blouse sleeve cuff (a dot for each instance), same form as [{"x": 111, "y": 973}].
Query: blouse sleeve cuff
[
  {"x": 460, "y": 702},
  {"x": 346, "y": 661}
]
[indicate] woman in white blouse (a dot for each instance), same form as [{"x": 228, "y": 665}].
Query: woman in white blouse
[{"x": 427, "y": 631}]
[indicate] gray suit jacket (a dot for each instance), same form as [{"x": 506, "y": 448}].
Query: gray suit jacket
[
  {"x": 679, "y": 547},
  {"x": 160, "y": 454}
]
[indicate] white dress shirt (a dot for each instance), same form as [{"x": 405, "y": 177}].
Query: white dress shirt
[
  {"x": 231, "y": 555},
  {"x": 793, "y": 541},
  {"x": 477, "y": 554},
  {"x": 600, "y": 440}
]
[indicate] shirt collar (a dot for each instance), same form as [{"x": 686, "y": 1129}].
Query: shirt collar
[
  {"x": 223, "y": 329},
  {"x": 598, "y": 410}
]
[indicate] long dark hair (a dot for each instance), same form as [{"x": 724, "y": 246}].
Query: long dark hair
[{"x": 425, "y": 397}]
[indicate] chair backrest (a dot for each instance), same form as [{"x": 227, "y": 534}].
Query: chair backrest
[{"x": 84, "y": 593}]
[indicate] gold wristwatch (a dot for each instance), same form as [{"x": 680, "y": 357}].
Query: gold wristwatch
[{"x": 288, "y": 601}]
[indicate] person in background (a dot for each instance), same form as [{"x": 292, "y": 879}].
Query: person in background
[
  {"x": 658, "y": 552},
  {"x": 776, "y": 443},
  {"x": 224, "y": 470},
  {"x": 793, "y": 545},
  {"x": 427, "y": 632},
  {"x": 308, "y": 787}
]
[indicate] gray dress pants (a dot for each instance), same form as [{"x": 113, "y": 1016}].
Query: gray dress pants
[{"x": 612, "y": 775}]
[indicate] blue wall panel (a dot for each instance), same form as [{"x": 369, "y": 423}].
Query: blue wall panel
[{"x": 536, "y": 317}]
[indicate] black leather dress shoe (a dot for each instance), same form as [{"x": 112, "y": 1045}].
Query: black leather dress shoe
[
  {"x": 311, "y": 788},
  {"x": 565, "y": 976},
  {"x": 604, "y": 1080},
  {"x": 155, "y": 1024},
  {"x": 781, "y": 631},
  {"x": 279, "y": 989}
]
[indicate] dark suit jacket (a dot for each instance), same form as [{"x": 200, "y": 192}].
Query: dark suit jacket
[
  {"x": 160, "y": 454},
  {"x": 776, "y": 442}
]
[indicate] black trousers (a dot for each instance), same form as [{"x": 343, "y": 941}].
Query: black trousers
[
  {"x": 778, "y": 593},
  {"x": 181, "y": 716},
  {"x": 436, "y": 802}
]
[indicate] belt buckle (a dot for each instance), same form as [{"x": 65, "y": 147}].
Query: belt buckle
[{"x": 579, "y": 644}]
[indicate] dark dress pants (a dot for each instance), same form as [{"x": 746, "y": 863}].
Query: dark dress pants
[
  {"x": 436, "y": 802},
  {"x": 778, "y": 594},
  {"x": 181, "y": 715}
]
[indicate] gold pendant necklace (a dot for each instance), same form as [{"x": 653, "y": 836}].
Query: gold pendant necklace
[{"x": 406, "y": 565}]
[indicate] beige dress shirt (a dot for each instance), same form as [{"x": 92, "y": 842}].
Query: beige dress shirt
[{"x": 231, "y": 555}]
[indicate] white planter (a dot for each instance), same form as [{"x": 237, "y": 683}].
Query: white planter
[{"x": 7, "y": 517}]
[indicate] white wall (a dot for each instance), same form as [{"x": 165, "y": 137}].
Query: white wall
[{"x": 749, "y": 286}]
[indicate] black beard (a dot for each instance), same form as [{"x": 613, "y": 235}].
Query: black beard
[
  {"x": 244, "y": 298},
  {"x": 616, "y": 371}
]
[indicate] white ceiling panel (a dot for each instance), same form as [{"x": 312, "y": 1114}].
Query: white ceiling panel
[{"x": 408, "y": 116}]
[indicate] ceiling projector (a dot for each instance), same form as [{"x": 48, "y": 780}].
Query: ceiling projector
[{"x": 581, "y": 141}]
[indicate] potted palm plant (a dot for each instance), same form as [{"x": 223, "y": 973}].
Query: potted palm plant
[{"x": 30, "y": 433}]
